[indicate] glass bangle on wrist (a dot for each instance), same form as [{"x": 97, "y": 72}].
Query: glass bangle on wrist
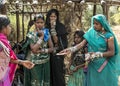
[
  {"x": 19, "y": 62},
  {"x": 73, "y": 49},
  {"x": 99, "y": 54},
  {"x": 53, "y": 32},
  {"x": 44, "y": 50}
]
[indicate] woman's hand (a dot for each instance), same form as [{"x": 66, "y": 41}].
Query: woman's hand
[
  {"x": 69, "y": 71},
  {"x": 87, "y": 56},
  {"x": 91, "y": 55},
  {"x": 27, "y": 64},
  {"x": 64, "y": 52},
  {"x": 75, "y": 69},
  {"x": 53, "y": 24}
]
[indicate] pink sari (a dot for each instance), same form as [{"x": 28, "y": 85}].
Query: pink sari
[{"x": 12, "y": 66}]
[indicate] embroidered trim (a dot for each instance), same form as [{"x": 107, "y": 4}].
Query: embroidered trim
[
  {"x": 103, "y": 65},
  {"x": 42, "y": 61}
]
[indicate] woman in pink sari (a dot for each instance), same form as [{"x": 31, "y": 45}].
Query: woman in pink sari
[{"x": 8, "y": 59}]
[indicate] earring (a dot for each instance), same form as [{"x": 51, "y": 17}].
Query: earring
[{"x": 102, "y": 29}]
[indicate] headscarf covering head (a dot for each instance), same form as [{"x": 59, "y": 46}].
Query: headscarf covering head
[{"x": 103, "y": 21}]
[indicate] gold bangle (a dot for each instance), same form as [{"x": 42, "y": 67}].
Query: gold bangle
[
  {"x": 19, "y": 62},
  {"x": 73, "y": 49}
]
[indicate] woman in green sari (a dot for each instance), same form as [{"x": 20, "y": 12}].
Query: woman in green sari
[
  {"x": 40, "y": 45},
  {"x": 103, "y": 50}
]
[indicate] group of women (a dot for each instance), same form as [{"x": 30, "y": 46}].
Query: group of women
[
  {"x": 44, "y": 68},
  {"x": 47, "y": 37}
]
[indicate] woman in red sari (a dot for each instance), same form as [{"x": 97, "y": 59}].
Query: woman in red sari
[{"x": 8, "y": 59}]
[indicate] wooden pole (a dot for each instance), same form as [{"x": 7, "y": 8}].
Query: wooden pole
[
  {"x": 94, "y": 8},
  {"x": 107, "y": 12},
  {"x": 17, "y": 23},
  {"x": 3, "y": 9},
  {"x": 23, "y": 31}
]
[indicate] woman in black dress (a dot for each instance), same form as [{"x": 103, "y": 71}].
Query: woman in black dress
[{"x": 59, "y": 37}]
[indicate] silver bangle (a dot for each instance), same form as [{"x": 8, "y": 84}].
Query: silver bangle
[
  {"x": 20, "y": 62},
  {"x": 98, "y": 54},
  {"x": 53, "y": 33},
  {"x": 46, "y": 51},
  {"x": 53, "y": 30},
  {"x": 73, "y": 49},
  {"x": 39, "y": 41}
]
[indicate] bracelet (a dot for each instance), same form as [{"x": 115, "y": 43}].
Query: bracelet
[
  {"x": 46, "y": 51},
  {"x": 73, "y": 49},
  {"x": 98, "y": 54},
  {"x": 53, "y": 33},
  {"x": 19, "y": 62},
  {"x": 52, "y": 30},
  {"x": 39, "y": 41}
]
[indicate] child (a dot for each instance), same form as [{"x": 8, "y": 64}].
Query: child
[{"x": 76, "y": 77}]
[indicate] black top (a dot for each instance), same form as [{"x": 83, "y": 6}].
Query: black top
[{"x": 62, "y": 36}]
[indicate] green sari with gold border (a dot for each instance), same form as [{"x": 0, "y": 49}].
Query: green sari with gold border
[
  {"x": 97, "y": 42},
  {"x": 40, "y": 74}
]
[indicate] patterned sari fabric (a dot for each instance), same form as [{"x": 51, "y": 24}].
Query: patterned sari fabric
[
  {"x": 9, "y": 78},
  {"x": 40, "y": 74},
  {"x": 108, "y": 75},
  {"x": 77, "y": 78}
]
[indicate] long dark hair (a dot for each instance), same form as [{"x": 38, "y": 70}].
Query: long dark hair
[
  {"x": 4, "y": 21},
  {"x": 79, "y": 33},
  {"x": 48, "y": 16}
]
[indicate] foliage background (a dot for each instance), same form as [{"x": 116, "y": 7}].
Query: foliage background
[{"x": 70, "y": 17}]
